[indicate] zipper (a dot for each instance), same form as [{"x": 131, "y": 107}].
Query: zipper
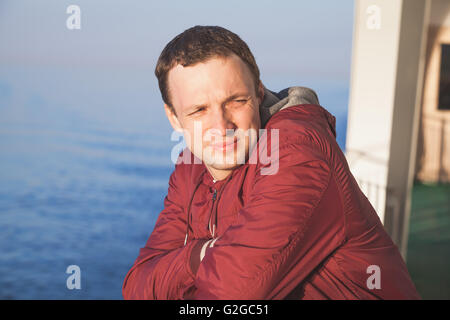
[
  {"x": 213, "y": 213},
  {"x": 213, "y": 230}
]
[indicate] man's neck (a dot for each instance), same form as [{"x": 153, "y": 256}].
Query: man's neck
[{"x": 218, "y": 174}]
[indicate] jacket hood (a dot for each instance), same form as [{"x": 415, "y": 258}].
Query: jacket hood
[{"x": 291, "y": 96}]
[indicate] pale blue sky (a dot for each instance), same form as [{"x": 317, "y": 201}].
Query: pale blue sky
[
  {"x": 109, "y": 63},
  {"x": 310, "y": 37}
]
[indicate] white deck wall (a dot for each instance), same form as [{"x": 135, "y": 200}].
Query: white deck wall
[{"x": 384, "y": 105}]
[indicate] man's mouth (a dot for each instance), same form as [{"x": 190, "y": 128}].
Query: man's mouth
[{"x": 225, "y": 145}]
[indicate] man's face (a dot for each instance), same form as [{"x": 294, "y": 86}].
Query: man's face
[{"x": 217, "y": 108}]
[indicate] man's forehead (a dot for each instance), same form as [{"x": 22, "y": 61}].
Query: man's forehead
[{"x": 210, "y": 69}]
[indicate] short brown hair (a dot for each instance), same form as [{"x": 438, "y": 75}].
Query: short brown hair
[{"x": 198, "y": 44}]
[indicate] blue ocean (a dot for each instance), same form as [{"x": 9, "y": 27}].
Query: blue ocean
[{"x": 85, "y": 158}]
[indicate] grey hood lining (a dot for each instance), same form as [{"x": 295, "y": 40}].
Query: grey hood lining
[{"x": 292, "y": 96}]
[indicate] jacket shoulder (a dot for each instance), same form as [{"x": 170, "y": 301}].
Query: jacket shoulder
[{"x": 294, "y": 126}]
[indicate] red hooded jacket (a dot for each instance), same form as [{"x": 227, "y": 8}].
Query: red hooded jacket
[{"x": 301, "y": 230}]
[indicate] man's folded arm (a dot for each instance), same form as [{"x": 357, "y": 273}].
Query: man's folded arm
[
  {"x": 291, "y": 223},
  {"x": 164, "y": 266}
]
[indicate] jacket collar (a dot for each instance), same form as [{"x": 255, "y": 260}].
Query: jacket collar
[{"x": 208, "y": 179}]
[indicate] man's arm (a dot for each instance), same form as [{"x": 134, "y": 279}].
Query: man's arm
[
  {"x": 293, "y": 221},
  {"x": 164, "y": 267}
]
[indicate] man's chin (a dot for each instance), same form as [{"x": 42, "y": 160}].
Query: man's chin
[
  {"x": 224, "y": 166},
  {"x": 224, "y": 163}
]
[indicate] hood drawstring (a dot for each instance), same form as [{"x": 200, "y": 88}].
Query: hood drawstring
[{"x": 189, "y": 207}]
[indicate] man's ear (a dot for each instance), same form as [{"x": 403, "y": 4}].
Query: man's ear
[
  {"x": 261, "y": 92},
  {"x": 173, "y": 119}
]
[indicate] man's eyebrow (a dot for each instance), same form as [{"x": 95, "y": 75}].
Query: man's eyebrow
[
  {"x": 236, "y": 95},
  {"x": 227, "y": 99}
]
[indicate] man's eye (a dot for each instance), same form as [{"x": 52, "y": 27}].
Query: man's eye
[
  {"x": 198, "y": 111},
  {"x": 237, "y": 103}
]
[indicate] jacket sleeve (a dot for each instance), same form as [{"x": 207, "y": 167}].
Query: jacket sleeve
[
  {"x": 163, "y": 267},
  {"x": 292, "y": 221}
]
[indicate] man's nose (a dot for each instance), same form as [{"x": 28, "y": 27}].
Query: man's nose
[{"x": 222, "y": 121}]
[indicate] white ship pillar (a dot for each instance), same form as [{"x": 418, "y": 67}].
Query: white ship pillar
[{"x": 389, "y": 40}]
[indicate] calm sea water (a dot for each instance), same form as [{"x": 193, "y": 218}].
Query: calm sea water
[{"x": 84, "y": 166}]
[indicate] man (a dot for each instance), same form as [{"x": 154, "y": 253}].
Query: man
[{"x": 250, "y": 214}]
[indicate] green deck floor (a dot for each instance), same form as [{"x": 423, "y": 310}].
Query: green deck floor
[{"x": 428, "y": 256}]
